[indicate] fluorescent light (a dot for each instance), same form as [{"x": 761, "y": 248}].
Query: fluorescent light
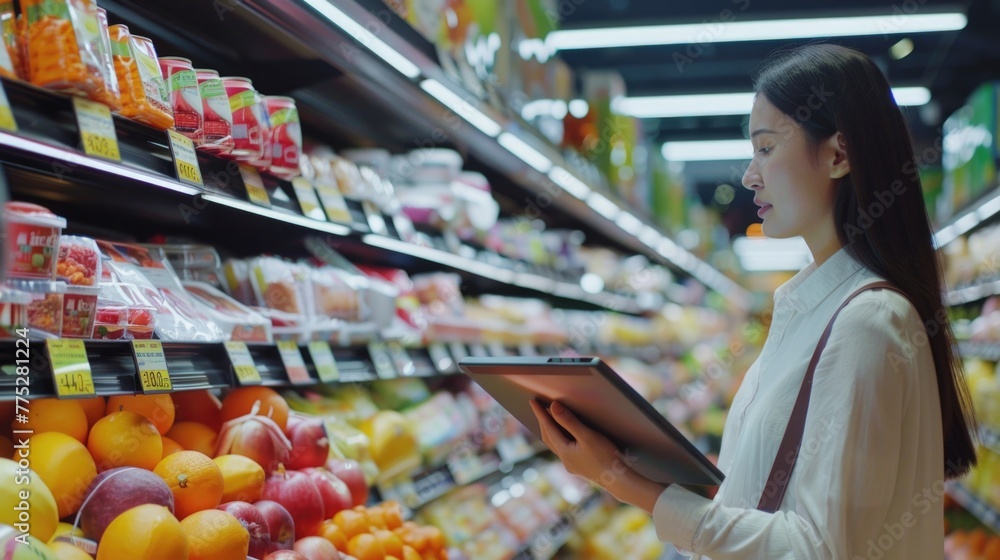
[
  {"x": 462, "y": 108},
  {"x": 629, "y": 224},
  {"x": 708, "y": 150},
  {"x": 525, "y": 152},
  {"x": 555, "y": 108},
  {"x": 592, "y": 283},
  {"x": 765, "y": 254},
  {"x": 603, "y": 206},
  {"x": 760, "y": 30},
  {"x": 911, "y": 96},
  {"x": 902, "y": 49},
  {"x": 664, "y": 106},
  {"x": 569, "y": 182},
  {"x": 713, "y": 104},
  {"x": 579, "y": 108},
  {"x": 366, "y": 38}
]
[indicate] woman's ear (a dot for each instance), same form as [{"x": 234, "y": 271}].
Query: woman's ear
[{"x": 837, "y": 150}]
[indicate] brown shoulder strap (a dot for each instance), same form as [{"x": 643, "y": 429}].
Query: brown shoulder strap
[{"x": 788, "y": 452}]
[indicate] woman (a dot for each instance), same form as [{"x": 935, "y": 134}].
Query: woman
[{"x": 889, "y": 420}]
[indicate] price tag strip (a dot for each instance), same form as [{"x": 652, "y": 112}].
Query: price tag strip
[
  {"x": 295, "y": 365},
  {"x": 334, "y": 204},
  {"x": 185, "y": 159},
  {"x": 514, "y": 449},
  {"x": 527, "y": 349},
  {"x": 325, "y": 362},
  {"x": 255, "y": 186},
  {"x": 150, "y": 362},
  {"x": 402, "y": 491},
  {"x": 467, "y": 466},
  {"x": 97, "y": 129},
  {"x": 401, "y": 359},
  {"x": 458, "y": 351},
  {"x": 478, "y": 350},
  {"x": 7, "y": 121},
  {"x": 442, "y": 361},
  {"x": 244, "y": 367},
  {"x": 375, "y": 220},
  {"x": 308, "y": 201},
  {"x": 70, "y": 367},
  {"x": 497, "y": 350},
  {"x": 381, "y": 360}
]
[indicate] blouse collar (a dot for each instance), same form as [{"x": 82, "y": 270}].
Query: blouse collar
[{"x": 814, "y": 284}]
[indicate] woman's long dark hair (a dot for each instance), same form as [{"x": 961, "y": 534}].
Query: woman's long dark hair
[{"x": 879, "y": 207}]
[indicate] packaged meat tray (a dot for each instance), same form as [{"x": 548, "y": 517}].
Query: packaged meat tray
[{"x": 240, "y": 322}]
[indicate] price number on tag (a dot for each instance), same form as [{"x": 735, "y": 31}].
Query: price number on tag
[
  {"x": 152, "y": 366},
  {"x": 255, "y": 186},
  {"x": 295, "y": 366},
  {"x": 243, "y": 365},
  {"x": 185, "y": 158},
  {"x": 97, "y": 129},
  {"x": 70, "y": 368}
]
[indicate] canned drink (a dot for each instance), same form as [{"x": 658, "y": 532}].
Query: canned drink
[
  {"x": 246, "y": 121},
  {"x": 218, "y": 115},
  {"x": 286, "y": 136},
  {"x": 184, "y": 97}
]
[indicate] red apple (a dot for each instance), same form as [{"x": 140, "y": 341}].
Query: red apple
[
  {"x": 310, "y": 444},
  {"x": 336, "y": 495},
  {"x": 297, "y": 492},
  {"x": 255, "y": 524},
  {"x": 285, "y": 555},
  {"x": 317, "y": 548},
  {"x": 349, "y": 471},
  {"x": 280, "y": 525}
]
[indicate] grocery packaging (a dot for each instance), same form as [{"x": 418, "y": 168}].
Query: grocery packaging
[
  {"x": 79, "y": 261},
  {"x": 184, "y": 97},
  {"x": 64, "y": 47},
  {"x": 79, "y": 311},
  {"x": 46, "y": 307},
  {"x": 125, "y": 311},
  {"x": 218, "y": 115},
  {"x": 13, "y": 310},
  {"x": 247, "y": 128},
  {"x": 286, "y": 136},
  {"x": 143, "y": 92},
  {"x": 195, "y": 263},
  {"x": 10, "y": 53},
  {"x": 239, "y": 321},
  {"x": 111, "y": 95},
  {"x": 32, "y": 239}
]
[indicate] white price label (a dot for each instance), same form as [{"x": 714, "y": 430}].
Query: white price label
[
  {"x": 244, "y": 366},
  {"x": 295, "y": 365},
  {"x": 308, "y": 201},
  {"x": 325, "y": 362},
  {"x": 97, "y": 129}
]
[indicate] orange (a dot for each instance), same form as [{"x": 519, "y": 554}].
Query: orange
[
  {"x": 242, "y": 478},
  {"x": 365, "y": 547},
  {"x": 333, "y": 533},
  {"x": 6, "y": 447},
  {"x": 409, "y": 553},
  {"x": 146, "y": 532},
  {"x": 216, "y": 535},
  {"x": 194, "y": 437},
  {"x": 435, "y": 538},
  {"x": 392, "y": 514},
  {"x": 125, "y": 439},
  {"x": 376, "y": 519},
  {"x": 170, "y": 446},
  {"x": 390, "y": 543},
  {"x": 198, "y": 406},
  {"x": 241, "y": 401},
  {"x": 351, "y": 522},
  {"x": 7, "y": 410},
  {"x": 65, "y": 551},
  {"x": 93, "y": 408},
  {"x": 65, "y": 466},
  {"x": 194, "y": 479},
  {"x": 54, "y": 415},
  {"x": 159, "y": 409}
]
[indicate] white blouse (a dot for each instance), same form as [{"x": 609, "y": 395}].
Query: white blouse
[{"x": 869, "y": 480}]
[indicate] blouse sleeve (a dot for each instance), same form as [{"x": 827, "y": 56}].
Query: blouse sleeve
[{"x": 845, "y": 473}]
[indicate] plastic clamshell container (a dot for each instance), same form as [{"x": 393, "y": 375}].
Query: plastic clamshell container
[
  {"x": 79, "y": 261},
  {"x": 79, "y": 312},
  {"x": 191, "y": 256},
  {"x": 33, "y": 234},
  {"x": 45, "y": 310},
  {"x": 242, "y": 322}
]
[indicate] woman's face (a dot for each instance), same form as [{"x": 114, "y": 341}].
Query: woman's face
[{"x": 793, "y": 188}]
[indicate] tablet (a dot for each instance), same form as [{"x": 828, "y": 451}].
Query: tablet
[{"x": 602, "y": 400}]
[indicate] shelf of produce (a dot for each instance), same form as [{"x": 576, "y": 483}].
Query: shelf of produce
[
  {"x": 983, "y": 350},
  {"x": 547, "y": 542},
  {"x": 367, "y": 68},
  {"x": 983, "y": 210},
  {"x": 986, "y": 513},
  {"x": 974, "y": 292},
  {"x": 142, "y": 196}
]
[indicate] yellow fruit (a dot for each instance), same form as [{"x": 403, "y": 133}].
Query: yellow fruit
[
  {"x": 66, "y": 551},
  {"x": 54, "y": 415},
  {"x": 40, "y": 507},
  {"x": 65, "y": 466},
  {"x": 16, "y": 546},
  {"x": 242, "y": 478},
  {"x": 125, "y": 439},
  {"x": 65, "y": 529},
  {"x": 216, "y": 535},
  {"x": 146, "y": 532}
]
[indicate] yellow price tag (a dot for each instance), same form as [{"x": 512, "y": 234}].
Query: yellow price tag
[
  {"x": 255, "y": 186},
  {"x": 7, "y": 121},
  {"x": 243, "y": 365},
  {"x": 334, "y": 203},
  {"x": 295, "y": 366},
  {"x": 325, "y": 362},
  {"x": 185, "y": 158},
  {"x": 308, "y": 200},
  {"x": 70, "y": 367},
  {"x": 152, "y": 366},
  {"x": 97, "y": 129}
]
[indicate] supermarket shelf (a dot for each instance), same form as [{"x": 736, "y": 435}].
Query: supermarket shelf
[
  {"x": 547, "y": 542},
  {"x": 989, "y": 351},
  {"x": 986, "y": 513},
  {"x": 981, "y": 211},
  {"x": 974, "y": 292},
  {"x": 367, "y": 68},
  {"x": 990, "y": 438}
]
